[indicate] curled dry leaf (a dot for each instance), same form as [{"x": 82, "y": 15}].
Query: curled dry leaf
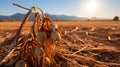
[{"x": 47, "y": 60}]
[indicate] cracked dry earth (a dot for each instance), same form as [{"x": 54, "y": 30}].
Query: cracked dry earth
[{"x": 87, "y": 46}]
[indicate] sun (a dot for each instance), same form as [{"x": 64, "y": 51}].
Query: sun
[{"x": 91, "y": 6}]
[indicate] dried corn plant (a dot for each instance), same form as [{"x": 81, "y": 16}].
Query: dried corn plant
[{"x": 36, "y": 49}]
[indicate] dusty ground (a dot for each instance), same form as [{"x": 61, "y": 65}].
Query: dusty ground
[{"x": 88, "y": 43}]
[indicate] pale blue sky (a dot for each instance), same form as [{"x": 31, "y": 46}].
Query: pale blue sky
[{"x": 104, "y": 8}]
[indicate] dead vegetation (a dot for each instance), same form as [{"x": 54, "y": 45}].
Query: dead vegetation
[{"x": 78, "y": 49}]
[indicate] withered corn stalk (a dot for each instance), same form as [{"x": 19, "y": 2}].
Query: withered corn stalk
[{"x": 37, "y": 48}]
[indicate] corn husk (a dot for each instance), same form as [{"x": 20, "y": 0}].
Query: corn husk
[
  {"x": 21, "y": 63},
  {"x": 11, "y": 63},
  {"x": 37, "y": 50},
  {"x": 52, "y": 26},
  {"x": 55, "y": 36},
  {"x": 42, "y": 36}
]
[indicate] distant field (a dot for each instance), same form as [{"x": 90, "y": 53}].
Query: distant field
[
  {"x": 87, "y": 23},
  {"x": 65, "y": 23}
]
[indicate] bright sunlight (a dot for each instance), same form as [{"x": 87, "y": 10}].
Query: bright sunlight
[{"x": 91, "y": 6}]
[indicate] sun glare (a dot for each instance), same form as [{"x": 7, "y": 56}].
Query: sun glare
[{"x": 91, "y": 6}]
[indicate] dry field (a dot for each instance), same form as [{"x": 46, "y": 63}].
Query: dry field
[{"x": 85, "y": 43}]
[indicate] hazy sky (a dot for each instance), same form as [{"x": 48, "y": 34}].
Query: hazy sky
[{"x": 80, "y": 8}]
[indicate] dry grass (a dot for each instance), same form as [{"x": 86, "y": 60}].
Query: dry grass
[{"x": 88, "y": 45}]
